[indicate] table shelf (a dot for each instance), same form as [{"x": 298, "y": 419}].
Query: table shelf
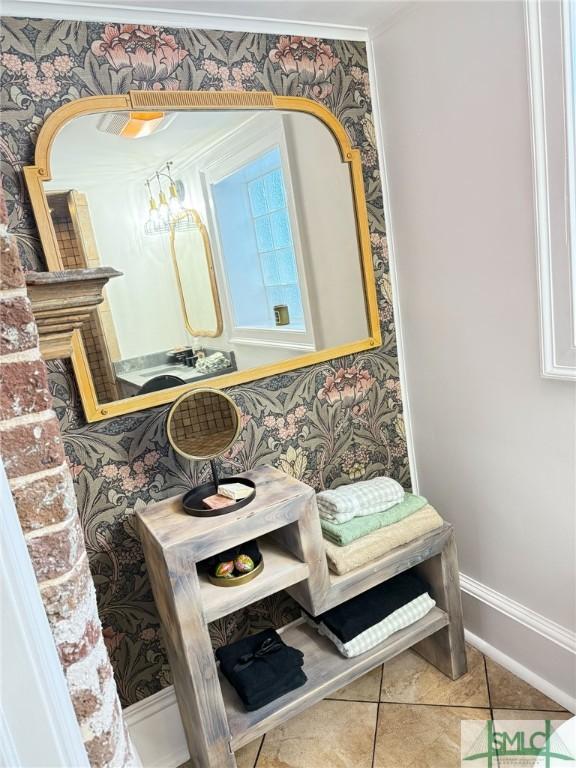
[
  {"x": 281, "y": 570},
  {"x": 327, "y": 671},
  {"x": 284, "y": 519},
  {"x": 346, "y": 586}
]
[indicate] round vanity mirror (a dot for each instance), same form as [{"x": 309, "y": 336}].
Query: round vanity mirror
[{"x": 203, "y": 424}]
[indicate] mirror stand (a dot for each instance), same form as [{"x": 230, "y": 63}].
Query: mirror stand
[
  {"x": 214, "y": 469},
  {"x": 203, "y": 424}
]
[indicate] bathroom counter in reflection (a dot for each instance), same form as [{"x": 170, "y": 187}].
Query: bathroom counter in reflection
[{"x": 131, "y": 381}]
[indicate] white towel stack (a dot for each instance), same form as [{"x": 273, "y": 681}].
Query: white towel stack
[{"x": 363, "y": 498}]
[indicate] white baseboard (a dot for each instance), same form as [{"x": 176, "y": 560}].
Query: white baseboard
[
  {"x": 156, "y": 728},
  {"x": 545, "y": 687},
  {"x": 548, "y": 629}
]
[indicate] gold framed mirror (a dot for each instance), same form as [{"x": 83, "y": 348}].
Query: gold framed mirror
[
  {"x": 271, "y": 229},
  {"x": 194, "y": 267}
]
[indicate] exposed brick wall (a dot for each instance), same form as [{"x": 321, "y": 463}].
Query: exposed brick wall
[{"x": 32, "y": 452}]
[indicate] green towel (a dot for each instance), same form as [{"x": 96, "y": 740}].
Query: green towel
[{"x": 344, "y": 533}]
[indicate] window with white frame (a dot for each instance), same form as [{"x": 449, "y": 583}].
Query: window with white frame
[
  {"x": 257, "y": 244},
  {"x": 258, "y": 251},
  {"x": 552, "y": 69}
]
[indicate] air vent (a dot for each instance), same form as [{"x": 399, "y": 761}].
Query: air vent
[
  {"x": 113, "y": 122},
  {"x": 134, "y": 125}
]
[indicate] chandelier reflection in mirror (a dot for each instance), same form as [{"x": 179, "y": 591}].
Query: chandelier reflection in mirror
[{"x": 167, "y": 208}]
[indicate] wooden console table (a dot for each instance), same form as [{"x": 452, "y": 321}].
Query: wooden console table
[{"x": 284, "y": 518}]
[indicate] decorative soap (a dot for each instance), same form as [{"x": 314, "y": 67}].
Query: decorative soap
[
  {"x": 217, "y": 502},
  {"x": 235, "y": 491},
  {"x": 225, "y": 570},
  {"x": 244, "y": 564}
]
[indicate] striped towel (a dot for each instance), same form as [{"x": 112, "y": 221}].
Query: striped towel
[
  {"x": 358, "y": 499},
  {"x": 403, "y": 617},
  {"x": 345, "y": 533}
]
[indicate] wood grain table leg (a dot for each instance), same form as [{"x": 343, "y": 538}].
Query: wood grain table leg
[
  {"x": 177, "y": 594},
  {"x": 445, "y": 649},
  {"x": 303, "y": 538}
]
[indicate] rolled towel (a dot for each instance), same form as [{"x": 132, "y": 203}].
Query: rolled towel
[
  {"x": 345, "y": 533},
  {"x": 344, "y": 559},
  {"x": 403, "y": 617},
  {"x": 363, "y": 498}
]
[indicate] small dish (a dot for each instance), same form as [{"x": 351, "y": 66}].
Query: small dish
[
  {"x": 237, "y": 581},
  {"x": 193, "y": 505}
]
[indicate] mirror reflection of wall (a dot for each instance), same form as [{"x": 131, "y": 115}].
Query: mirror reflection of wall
[{"x": 272, "y": 231}]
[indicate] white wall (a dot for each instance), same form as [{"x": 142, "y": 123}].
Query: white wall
[
  {"x": 325, "y": 207},
  {"x": 144, "y": 301},
  {"x": 494, "y": 442}
]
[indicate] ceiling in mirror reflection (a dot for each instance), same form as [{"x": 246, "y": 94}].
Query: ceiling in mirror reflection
[
  {"x": 267, "y": 269},
  {"x": 109, "y": 154}
]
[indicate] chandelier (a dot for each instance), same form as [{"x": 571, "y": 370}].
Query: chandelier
[{"x": 166, "y": 207}]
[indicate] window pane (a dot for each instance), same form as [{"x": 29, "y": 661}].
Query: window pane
[
  {"x": 286, "y": 266},
  {"x": 289, "y": 295},
  {"x": 274, "y": 190},
  {"x": 263, "y": 234},
  {"x": 276, "y": 295},
  {"x": 292, "y": 294},
  {"x": 270, "y": 268},
  {"x": 256, "y": 236},
  {"x": 281, "y": 229},
  {"x": 262, "y": 165},
  {"x": 256, "y": 191}
]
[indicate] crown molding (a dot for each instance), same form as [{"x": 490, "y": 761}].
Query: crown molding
[
  {"x": 403, "y": 9},
  {"x": 91, "y": 10}
]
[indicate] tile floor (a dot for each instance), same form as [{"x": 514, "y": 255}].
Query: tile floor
[{"x": 405, "y": 714}]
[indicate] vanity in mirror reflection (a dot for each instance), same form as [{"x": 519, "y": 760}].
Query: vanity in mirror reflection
[{"x": 238, "y": 259}]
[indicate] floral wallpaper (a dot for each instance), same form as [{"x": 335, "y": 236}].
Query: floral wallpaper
[{"x": 327, "y": 425}]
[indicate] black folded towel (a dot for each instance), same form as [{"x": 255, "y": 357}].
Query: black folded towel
[
  {"x": 355, "y": 616},
  {"x": 261, "y": 668},
  {"x": 297, "y": 679}
]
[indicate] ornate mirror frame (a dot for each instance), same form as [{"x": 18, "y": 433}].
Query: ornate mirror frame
[
  {"x": 210, "y": 266},
  {"x": 38, "y": 173}
]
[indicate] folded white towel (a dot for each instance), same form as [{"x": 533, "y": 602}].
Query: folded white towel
[
  {"x": 405, "y": 616},
  {"x": 358, "y": 499}
]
